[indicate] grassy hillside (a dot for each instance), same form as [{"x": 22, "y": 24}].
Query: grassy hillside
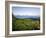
[{"x": 25, "y": 24}]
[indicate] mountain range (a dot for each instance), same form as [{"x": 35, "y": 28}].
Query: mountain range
[{"x": 18, "y": 16}]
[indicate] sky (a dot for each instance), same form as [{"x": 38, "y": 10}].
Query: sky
[{"x": 29, "y": 11}]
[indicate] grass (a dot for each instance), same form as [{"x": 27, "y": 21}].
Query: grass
[{"x": 25, "y": 24}]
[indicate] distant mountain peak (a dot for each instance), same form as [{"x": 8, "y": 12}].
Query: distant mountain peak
[{"x": 18, "y": 16}]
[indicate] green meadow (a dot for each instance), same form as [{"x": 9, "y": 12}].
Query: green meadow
[{"x": 25, "y": 24}]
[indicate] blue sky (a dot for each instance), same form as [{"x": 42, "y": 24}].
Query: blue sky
[{"x": 30, "y": 11}]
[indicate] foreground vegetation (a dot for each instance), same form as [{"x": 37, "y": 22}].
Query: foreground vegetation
[{"x": 25, "y": 24}]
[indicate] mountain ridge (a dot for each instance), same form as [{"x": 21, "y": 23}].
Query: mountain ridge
[{"x": 18, "y": 16}]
